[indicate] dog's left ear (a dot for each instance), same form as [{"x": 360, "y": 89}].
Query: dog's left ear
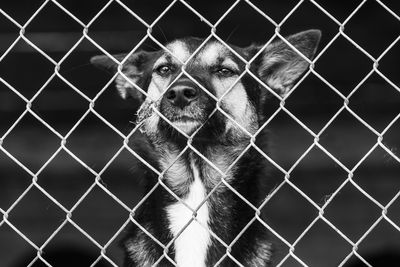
[{"x": 279, "y": 66}]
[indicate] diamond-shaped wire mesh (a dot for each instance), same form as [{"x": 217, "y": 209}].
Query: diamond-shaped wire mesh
[{"x": 90, "y": 185}]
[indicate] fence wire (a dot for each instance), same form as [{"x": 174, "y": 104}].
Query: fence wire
[{"x": 63, "y": 139}]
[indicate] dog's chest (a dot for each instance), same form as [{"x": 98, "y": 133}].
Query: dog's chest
[{"x": 192, "y": 236}]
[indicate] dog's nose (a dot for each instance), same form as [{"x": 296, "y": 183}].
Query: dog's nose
[{"x": 181, "y": 96}]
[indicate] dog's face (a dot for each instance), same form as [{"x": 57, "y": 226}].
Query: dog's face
[{"x": 184, "y": 85}]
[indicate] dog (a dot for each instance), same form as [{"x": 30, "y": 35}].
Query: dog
[{"x": 198, "y": 113}]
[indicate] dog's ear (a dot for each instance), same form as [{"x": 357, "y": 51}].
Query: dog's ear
[
  {"x": 133, "y": 67},
  {"x": 279, "y": 66}
]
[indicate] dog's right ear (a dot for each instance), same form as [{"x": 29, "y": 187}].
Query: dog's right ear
[
  {"x": 279, "y": 66},
  {"x": 135, "y": 68}
]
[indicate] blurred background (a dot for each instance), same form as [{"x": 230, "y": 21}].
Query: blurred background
[{"x": 373, "y": 99}]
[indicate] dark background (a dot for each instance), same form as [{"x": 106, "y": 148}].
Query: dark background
[{"x": 342, "y": 64}]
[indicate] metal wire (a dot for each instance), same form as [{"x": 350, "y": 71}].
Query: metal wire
[{"x": 124, "y": 146}]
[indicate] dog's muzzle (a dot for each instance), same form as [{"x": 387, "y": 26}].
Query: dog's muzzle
[{"x": 184, "y": 104}]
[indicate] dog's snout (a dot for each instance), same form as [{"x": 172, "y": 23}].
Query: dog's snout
[{"x": 181, "y": 96}]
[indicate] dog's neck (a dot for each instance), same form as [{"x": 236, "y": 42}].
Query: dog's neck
[
  {"x": 204, "y": 203},
  {"x": 211, "y": 163},
  {"x": 197, "y": 204}
]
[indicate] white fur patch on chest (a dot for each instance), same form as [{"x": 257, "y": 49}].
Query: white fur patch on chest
[{"x": 192, "y": 244}]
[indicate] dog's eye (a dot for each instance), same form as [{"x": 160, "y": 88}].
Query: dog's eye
[
  {"x": 225, "y": 72},
  {"x": 164, "y": 70}
]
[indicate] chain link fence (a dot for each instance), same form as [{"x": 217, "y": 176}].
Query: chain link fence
[{"x": 289, "y": 254}]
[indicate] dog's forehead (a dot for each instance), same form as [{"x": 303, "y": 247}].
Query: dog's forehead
[
  {"x": 212, "y": 53},
  {"x": 179, "y": 49},
  {"x": 209, "y": 54}
]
